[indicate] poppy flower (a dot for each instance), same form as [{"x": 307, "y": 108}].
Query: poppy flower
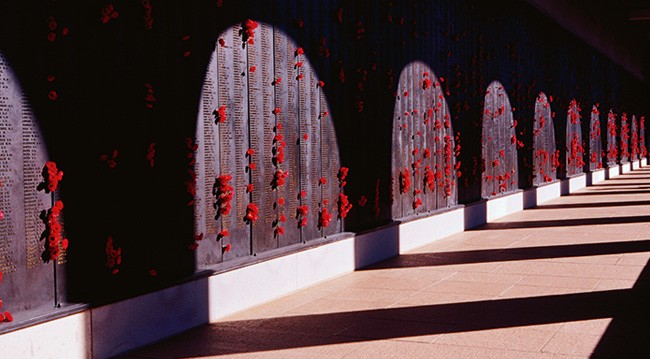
[
  {"x": 324, "y": 218},
  {"x": 226, "y": 248},
  {"x": 301, "y": 214},
  {"x": 344, "y": 205},
  {"x": 362, "y": 201},
  {"x": 417, "y": 203},
  {"x": 251, "y": 213},
  {"x": 248, "y": 31},
  {"x": 342, "y": 175},
  {"x": 220, "y": 114},
  {"x": 405, "y": 180}
]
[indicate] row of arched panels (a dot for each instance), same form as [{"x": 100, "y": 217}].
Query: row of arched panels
[{"x": 414, "y": 138}]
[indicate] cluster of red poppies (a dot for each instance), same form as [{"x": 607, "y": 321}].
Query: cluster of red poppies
[
  {"x": 51, "y": 177},
  {"x": 113, "y": 256},
  {"x": 6, "y": 315},
  {"x": 224, "y": 193}
]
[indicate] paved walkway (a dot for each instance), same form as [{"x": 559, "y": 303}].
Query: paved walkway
[{"x": 567, "y": 279}]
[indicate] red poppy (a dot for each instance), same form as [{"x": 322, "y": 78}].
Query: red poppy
[
  {"x": 417, "y": 203},
  {"x": 362, "y": 201},
  {"x": 251, "y": 213},
  {"x": 342, "y": 175},
  {"x": 224, "y": 193},
  {"x": 248, "y": 31},
  {"x": 301, "y": 214},
  {"x": 226, "y": 248},
  {"x": 344, "y": 205},
  {"x": 220, "y": 114},
  {"x": 405, "y": 180},
  {"x": 324, "y": 218},
  {"x": 51, "y": 177}
]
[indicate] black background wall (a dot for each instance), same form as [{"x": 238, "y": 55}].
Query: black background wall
[{"x": 99, "y": 70}]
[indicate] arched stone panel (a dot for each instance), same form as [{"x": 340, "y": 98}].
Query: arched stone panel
[
  {"x": 28, "y": 283},
  {"x": 642, "y": 144},
  {"x": 266, "y": 148},
  {"x": 595, "y": 141},
  {"x": 545, "y": 154},
  {"x": 423, "y": 160},
  {"x": 574, "y": 147},
  {"x": 612, "y": 146},
  {"x": 499, "y": 144},
  {"x": 625, "y": 139},
  {"x": 634, "y": 140}
]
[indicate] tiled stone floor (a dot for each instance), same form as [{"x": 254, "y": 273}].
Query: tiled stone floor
[{"x": 567, "y": 279}]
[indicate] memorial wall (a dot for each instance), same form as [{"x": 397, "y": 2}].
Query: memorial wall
[{"x": 199, "y": 137}]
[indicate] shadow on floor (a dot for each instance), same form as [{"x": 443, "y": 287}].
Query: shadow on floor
[
  {"x": 592, "y": 205},
  {"x": 602, "y": 193},
  {"x": 627, "y": 335},
  {"x": 512, "y": 254},
  {"x": 616, "y": 185},
  {"x": 594, "y": 221}
]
